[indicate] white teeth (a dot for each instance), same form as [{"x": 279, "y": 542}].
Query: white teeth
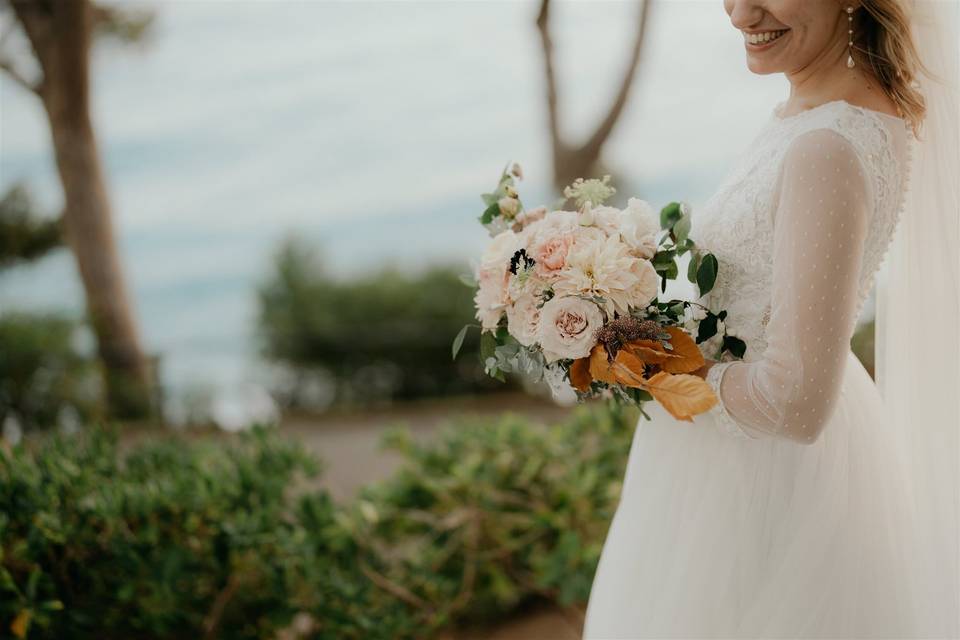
[{"x": 762, "y": 38}]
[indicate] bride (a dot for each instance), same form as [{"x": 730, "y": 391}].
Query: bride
[{"x": 810, "y": 502}]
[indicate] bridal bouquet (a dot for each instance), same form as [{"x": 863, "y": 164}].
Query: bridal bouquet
[{"x": 571, "y": 297}]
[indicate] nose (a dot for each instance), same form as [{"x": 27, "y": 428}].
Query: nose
[{"x": 744, "y": 13}]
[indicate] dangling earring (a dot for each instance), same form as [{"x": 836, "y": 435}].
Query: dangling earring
[{"x": 850, "y": 62}]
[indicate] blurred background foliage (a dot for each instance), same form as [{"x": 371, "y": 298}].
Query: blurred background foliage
[{"x": 379, "y": 337}]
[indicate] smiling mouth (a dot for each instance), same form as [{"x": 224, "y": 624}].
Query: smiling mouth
[{"x": 761, "y": 40}]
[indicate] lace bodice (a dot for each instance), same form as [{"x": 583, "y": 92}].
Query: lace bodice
[{"x": 800, "y": 226}]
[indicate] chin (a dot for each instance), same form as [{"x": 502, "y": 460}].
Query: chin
[{"x": 760, "y": 69}]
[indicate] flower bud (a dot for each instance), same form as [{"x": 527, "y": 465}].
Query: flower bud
[
  {"x": 509, "y": 206},
  {"x": 510, "y": 191},
  {"x": 517, "y": 171},
  {"x": 586, "y": 214}
]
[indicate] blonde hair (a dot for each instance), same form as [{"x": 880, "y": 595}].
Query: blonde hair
[{"x": 882, "y": 33}]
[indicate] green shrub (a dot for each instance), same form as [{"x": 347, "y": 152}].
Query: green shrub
[
  {"x": 42, "y": 373},
  {"x": 24, "y": 235},
  {"x": 193, "y": 539},
  {"x": 378, "y": 337},
  {"x": 494, "y": 514},
  {"x": 173, "y": 540}
]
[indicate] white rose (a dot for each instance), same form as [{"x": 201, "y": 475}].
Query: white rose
[
  {"x": 608, "y": 219},
  {"x": 567, "y": 327},
  {"x": 523, "y": 320},
  {"x": 639, "y": 226}
]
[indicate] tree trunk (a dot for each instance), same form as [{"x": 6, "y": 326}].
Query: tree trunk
[
  {"x": 60, "y": 32},
  {"x": 572, "y": 161}
]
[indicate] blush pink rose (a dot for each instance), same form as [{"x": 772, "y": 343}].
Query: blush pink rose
[{"x": 550, "y": 255}]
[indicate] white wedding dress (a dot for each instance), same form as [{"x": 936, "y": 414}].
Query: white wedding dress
[{"x": 785, "y": 510}]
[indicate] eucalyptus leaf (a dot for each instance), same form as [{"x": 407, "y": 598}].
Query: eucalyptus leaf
[{"x": 458, "y": 341}]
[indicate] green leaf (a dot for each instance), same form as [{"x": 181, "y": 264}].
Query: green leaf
[
  {"x": 692, "y": 266},
  {"x": 489, "y": 198},
  {"x": 669, "y": 215},
  {"x": 682, "y": 229},
  {"x": 490, "y": 213},
  {"x": 707, "y": 327},
  {"x": 734, "y": 345},
  {"x": 488, "y": 344},
  {"x": 707, "y": 273},
  {"x": 458, "y": 341},
  {"x": 663, "y": 258}
]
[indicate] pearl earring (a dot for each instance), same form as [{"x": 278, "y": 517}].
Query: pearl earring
[{"x": 850, "y": 62}]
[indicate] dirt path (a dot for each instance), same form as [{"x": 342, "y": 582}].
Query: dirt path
[{"x": 348, "y": 443}]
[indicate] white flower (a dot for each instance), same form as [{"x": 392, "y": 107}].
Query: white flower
[
  {"x": 493, "y": 277},
  {"x": 600, "y": 265},
  {"x": 496, "y": 255},
  {"x": 567, "y": 327},
  {"x": 648, "y": 283},
  {"x": 523, "y": 320},
  {"x": 586, "y": 214},
  {"x": 592, "y": 190},
  {"x": 639, "y": 226}
]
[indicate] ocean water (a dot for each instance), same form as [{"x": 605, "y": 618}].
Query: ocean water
[{"x": 369, "y": 128}]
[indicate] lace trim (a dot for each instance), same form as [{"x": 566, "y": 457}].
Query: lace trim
[
  {"x": 724, "y": 420},
  {"x": 881, "y": 251}
]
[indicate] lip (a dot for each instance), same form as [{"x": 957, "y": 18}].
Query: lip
[{"x": 765, "y": 45}]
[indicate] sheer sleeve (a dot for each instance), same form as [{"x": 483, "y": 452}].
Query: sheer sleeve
[{"x": 819, "y": 231}]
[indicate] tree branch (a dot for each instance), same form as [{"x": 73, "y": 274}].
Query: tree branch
[
  {"x": 599, "y": 137},
  {"x": 547, "y": 45},
  {"x": 7, "y": 65}
]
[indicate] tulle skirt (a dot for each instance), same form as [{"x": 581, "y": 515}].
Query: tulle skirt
[{"x": 721, "y": 537}]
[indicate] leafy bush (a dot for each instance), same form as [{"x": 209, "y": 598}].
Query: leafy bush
[
  {"x": 382, "y": 336},
  {"x": 24, "y": 235},
  {"x": 42, "y": 373},
  {"x": 173, "y": 541},
  {"x": 205, "y": 539}
]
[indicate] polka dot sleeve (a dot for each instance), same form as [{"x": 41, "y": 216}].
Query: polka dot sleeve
[{"x": 819, "y": 226}]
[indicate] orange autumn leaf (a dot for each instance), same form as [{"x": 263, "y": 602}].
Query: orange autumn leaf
[
  {"x": 21, "y": 623},
  {"x": 600, "y": 367},
  {"x": 580, "y": 376},
  {"x": 650, "y": 351},
  {"x": 682, "y": 395},
  {"x": 628, "y": 369},
  {"x": 686, "y": 354}
]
